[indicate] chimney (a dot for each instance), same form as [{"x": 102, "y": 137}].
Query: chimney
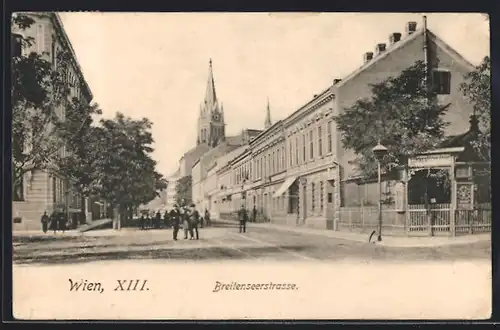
[
  {"x": 394, "y": 37},
  {"x": 411, "y": 27},
  {"x": 336, "y": 81},
  {"x": 368, "y": 56},
  {"x": 380, "y": 48}
]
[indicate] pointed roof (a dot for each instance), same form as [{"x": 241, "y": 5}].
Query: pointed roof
[
  {"x": 267, "y": 122},
  {"x": 210, "y": 96}
]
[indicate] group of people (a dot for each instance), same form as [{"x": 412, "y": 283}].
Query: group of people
[
  {"x": 56, "y": 221},
  {"x": 188, "y": 217}
]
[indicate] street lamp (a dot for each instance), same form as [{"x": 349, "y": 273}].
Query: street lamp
[{"x": 379, "y": 151}]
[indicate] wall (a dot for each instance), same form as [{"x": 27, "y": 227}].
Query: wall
[{"x": 358, "y": 87}]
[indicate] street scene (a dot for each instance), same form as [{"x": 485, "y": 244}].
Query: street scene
[
  {"x": 341, "y": 155},
  {"x": 224, "y": 242}
]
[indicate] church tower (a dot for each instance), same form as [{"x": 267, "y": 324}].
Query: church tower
[{"x": 211, "y": 127}]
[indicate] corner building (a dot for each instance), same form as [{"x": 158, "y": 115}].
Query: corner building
[
  {"x": 296, "y": 171},
  {"x": 43, "y": 190}
]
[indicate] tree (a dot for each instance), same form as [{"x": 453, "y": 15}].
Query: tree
[
  {"x": 183, "y": 190},
  {"x": 477, "y": 90},
  {"x": 38, "y": 93},
  {"x": 79, "y": 137},
  {"x": 120, "y": 167},
  {"x": 403, "y": 114}
]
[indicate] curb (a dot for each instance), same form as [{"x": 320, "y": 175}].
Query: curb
[{"x": 410, "y": 242}]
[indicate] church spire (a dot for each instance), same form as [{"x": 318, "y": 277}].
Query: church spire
[
  {"x": 210, "y": 96},
  {"x": 267, "y": 122}
]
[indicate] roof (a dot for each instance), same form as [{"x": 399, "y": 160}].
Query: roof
[{"x": 400, "y": 44}]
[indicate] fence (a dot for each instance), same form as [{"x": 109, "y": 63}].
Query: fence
[
  {"x": 418, "y": 220},
  {"x": 365, "y": 219},
  {"x": 473, "y": 221}
]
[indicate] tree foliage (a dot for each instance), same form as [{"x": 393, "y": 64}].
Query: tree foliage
[
  {"x": 183, "y": 190},
  {"x": 116, "y": 162},
  {"x": 403, "y": 114},
  {"x": 477, "y": 90}
]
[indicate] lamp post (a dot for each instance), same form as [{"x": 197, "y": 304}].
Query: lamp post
[{"x": 379, "y": 151}]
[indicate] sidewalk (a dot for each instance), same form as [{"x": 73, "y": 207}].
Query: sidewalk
[{"x": 391, "y": 241}]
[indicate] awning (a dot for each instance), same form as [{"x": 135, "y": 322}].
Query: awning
[{"x": 288, "y": 182}]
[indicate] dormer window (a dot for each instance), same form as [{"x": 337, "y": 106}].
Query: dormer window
[{"x": 441, "y": 80}]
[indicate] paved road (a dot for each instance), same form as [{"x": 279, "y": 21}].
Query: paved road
[{"x": 222, "y": 243}]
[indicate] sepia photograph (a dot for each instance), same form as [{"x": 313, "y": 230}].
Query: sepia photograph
[{"x": 251, "y": 166}]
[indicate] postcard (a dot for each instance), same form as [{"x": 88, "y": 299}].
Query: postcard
[{"x": 244, "y": 166}]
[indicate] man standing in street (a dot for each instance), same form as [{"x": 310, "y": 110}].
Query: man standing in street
[
  {"x": 142, "y": 221},
  {"x": 175, "y": 219},
  {"x": 157, "y": 219},
  {"x": 185, "y": 221},
  {"x": 45, "y": 222},
  {"x": 243, "y": 217},
  {"x": 207, "y": 217},
  {"x": 254, "y": 214},
  {"x": 194, "y": 218},
  {"x": 61, "y": 220}
]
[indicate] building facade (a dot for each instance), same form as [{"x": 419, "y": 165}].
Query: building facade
[
  {"x": 296, "y": 171},
  {"x": 171, "y": 191},
  {"x": 44, "y": 190}
]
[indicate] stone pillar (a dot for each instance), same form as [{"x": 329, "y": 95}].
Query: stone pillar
[
  {"x": 336, "y": 199},
  {"x": 302, "y": 200},
  {"x": 453, "y": 204}
]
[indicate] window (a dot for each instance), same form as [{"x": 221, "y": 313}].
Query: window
[
  {"x": 297, "y": 150},
  {"x": 329, "y": 136},
  {"x": 321, "y": 195},
  {"x": 273, "y": 168},
  {"x": 17, "y": 45},
  {"x": 320, "y": 142},
  {"x": 290, "y": 152},
  {"x": 311, "y": 144},
  {"x": 441, "y": 81},
  {"x": 313, "y": 192},
  {"x": 304, "y": 148},
  {"x": 262, "y": 161},
  {"x": 283, "y": 156},
  {"x": 330, "y": 197}
]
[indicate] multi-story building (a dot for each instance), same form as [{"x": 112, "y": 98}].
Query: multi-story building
[
  {"x": 171, "y": 191},
  {"x": 43, "y": 190},
  {"x": 297, "y": 172}
]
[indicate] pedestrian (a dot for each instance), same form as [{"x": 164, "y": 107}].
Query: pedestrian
[
  {"x": 185, "y": 221},
  {"x": 175, "y": 220},
  {"x": 53, "y": 221},
  {"x": 207, "y": 217},
  {"x": 45, "y": 221},
  {"x": 61, "y": 220},
  {"x": 194, "y": 219},
  {"x": 243, "y": 217},
  {"x": 142, "y": 221},
  {"x": 148, "y": 221},
  {"x": 157, "y": 219},
  {"x": 254, "y": 214}
]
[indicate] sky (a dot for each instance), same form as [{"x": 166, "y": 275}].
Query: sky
[{"x": 155, "y": 65}]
